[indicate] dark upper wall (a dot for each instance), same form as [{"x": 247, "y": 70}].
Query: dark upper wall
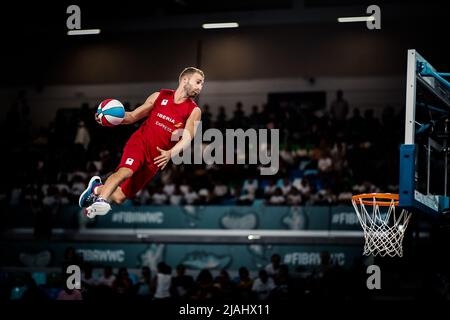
[{"x": 246, "y": 53}]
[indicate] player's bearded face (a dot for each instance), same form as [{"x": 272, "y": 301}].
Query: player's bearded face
[
  {"x": 190, "y": 91},
  {"x": 193, "y": 86}
]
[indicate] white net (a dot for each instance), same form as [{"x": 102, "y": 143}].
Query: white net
[{"x": 383, "y": 230}]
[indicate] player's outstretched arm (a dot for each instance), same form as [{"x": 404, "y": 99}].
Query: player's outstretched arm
[
  {"x": 141, "y": 111},
  {"x": 188, "y": 132}
]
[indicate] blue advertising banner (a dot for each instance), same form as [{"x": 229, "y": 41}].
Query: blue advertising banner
[
  {"x": 230, "y": 217},
  {"x": 344, "y": 218},
  {"x": 199, "y": 217},
  {"x": 34, "y": 254}
]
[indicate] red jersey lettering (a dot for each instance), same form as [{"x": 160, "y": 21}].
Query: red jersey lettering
[{"x": 165, "y": 117}]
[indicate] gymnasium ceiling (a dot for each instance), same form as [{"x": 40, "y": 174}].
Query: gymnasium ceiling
[{"x": 134, "y": 16}]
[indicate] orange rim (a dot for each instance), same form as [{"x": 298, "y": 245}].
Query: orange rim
[{"x": 371, "y": 199}]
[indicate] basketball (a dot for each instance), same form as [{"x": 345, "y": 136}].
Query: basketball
[{"x": 111, "y": 112}]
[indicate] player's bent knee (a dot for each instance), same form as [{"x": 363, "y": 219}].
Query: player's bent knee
[
  {"x": 118, "y": 196},
  {"x": 120, "y": 199}
]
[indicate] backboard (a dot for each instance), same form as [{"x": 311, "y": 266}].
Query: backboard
[{"x": 424, "y": 164}]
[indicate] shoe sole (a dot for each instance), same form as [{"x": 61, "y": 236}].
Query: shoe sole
[
  {"x": 88, "y": 188},
  {"x": 91, "y": 211},
  {"x": 86, "y": 213}
]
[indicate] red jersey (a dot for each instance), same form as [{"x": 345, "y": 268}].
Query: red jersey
[{"x": 165, "y": 117}]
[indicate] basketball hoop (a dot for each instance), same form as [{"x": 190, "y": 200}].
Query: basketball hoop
[{"x": 383, "y": 228}]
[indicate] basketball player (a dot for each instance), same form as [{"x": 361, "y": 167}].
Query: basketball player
[{"x": 149, "y": 148}]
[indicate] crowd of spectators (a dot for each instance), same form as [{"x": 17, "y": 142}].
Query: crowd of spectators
[
  {"x": 326, "y": 155},
  {"x": 273, "y": 282}
]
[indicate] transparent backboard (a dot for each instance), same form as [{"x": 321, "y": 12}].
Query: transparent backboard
[{"x": 424, "y": 155}]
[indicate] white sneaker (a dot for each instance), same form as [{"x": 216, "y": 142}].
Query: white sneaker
[{"x": 99, "y": 208}]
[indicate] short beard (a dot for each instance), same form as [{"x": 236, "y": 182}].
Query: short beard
[{"x": 189, "y": 92}]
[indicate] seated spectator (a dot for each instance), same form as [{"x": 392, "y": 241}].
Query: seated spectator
[
  {"x": 224, "y": 285},
  {"x": 282, "y": 284},
  {"x": 87, "y": 278},
  {"x": 277, "y": 198},
  {"x": 244, "y": 284},
  {"x": 365, "y": 187},
  {"x": 325, "y": 164},
  {"x": 302, "y": 185},
  {"x": 220, "y": 190},
  {"x": 191, "y": 196},
  {"x": 294, "y": 198},
  {"x": 69, "y": 294},
  {"x": 51, "y": 199},
  {"x": 250, "y": 186},
  {"x": 263, "y": 285},
  {"x": 338, "y": 155},
  {"x": 204, "y": 196},
  {"x": 78, "y": 186},
  {"x": 93, "y": 168},
  {"x": 169, "y": 188},
  {"x": 176, "y": 198},
  {"x": 324, "y": 197},
  {"x": 143, "y": 287},
  {"x": 107, "y": 278},
  {"x": 64, "y": 198},
  {"x": 274, "y": 266},
  {"x": 184, "y": 187},
  {"x": 62, "y": 185},
  {"x": 33, "y": 293},
  {"x": 242, "y": 197},
  {"x": 205, "y": 290},
  {"x": 269, "y": 190},
  {"x": 286, "y": 186},
  {"x": 142, "y": 197},
  {"x": 159, "y": 197},
  {"x": 182, "y": 284},
  {"x": 344, "y": 197},
  {"x": 162, "y": 282},
  {"x": 122, "y": 285}
]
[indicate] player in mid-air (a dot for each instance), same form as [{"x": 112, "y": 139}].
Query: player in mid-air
[{"x": 149, "y": 148}]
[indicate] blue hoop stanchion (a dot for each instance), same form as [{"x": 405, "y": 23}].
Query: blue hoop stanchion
[{"x": 425, "y": 71}]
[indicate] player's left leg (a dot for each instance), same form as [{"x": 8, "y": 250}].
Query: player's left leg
[
  {"x": 114, "y": 181},
  {"x": 93, "y": 190},
  {"x": 101, "y": 205},
  {"x": 133, "y": 158}
]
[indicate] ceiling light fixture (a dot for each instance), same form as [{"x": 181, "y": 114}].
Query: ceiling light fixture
[
  {"x": 356, "y": 19},
  {"x": 220, "y": 25},
  {"x": 83, "y": 32}
]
